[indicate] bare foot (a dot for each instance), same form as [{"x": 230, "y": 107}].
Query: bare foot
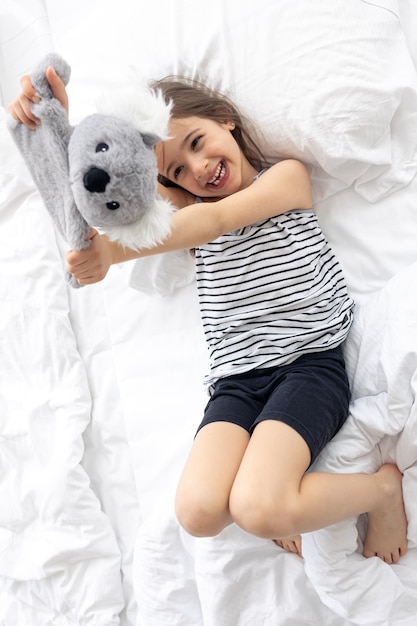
[
  {"x": 290, "y": 544},
  {"x": 386, "y": 535}
]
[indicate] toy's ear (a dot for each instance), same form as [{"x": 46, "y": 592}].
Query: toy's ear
[{"x": 150, "y": 139}]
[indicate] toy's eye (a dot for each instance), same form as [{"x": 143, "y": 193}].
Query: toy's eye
[
  {"x": 112, "y": 205},
  {"x": 102, "y": 147}
]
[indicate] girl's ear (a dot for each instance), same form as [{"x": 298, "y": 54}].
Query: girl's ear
[{"x": 229, "y": 125}]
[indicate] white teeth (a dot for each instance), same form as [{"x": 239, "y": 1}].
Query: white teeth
[{"x": 218, "y": 175}]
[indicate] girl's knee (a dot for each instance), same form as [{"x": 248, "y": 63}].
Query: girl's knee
[
  {"x": 263, "y": 516},
  {"x": 200, "y": 518}
]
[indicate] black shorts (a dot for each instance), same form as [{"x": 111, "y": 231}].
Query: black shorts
[{"x": 311, "y": 395}]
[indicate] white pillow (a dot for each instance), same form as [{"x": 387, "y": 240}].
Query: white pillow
[
  {"x": 161, "y": 274},
  {"x": 333, "y": 84},
  {"x": 330, "y": 83}
]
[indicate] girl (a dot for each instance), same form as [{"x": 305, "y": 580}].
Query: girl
[{"x": 275, "y": 311}]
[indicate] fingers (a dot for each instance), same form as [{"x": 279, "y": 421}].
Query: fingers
[
  {"x": 85, "y": 269},
  {"x": 28, "y": 89},
  {"x": 57, "y": 87},
  {"x": 90, "y": 265},
  {"x": 86, "y": 275},
  {"x": 21, "y": 108},
  {"x": 22, "y": 112}
]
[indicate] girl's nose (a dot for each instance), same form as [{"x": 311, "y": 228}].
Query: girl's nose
[{"x": 199, "y": 167}]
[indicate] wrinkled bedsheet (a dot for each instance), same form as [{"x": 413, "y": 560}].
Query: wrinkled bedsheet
[{"x": 101, "y": 387}]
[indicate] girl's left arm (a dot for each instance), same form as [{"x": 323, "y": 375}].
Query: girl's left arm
[{"x": 284, "y": 186}]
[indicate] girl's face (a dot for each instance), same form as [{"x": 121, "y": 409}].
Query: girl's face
[{"x": 204, "y": 158}]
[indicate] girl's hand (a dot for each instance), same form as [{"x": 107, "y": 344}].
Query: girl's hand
[
  {"x": 92, "y": 264},
  {"x": 21, "y": 108}
]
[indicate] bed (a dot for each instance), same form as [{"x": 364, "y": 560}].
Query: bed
[{"x": 101, "y": 387}]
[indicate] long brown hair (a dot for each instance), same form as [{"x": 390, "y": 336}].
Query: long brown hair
[{"x": 191, "y": 98}]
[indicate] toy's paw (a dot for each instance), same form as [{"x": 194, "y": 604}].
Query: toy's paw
[
  {"x": 73, "y": 282},
  {"x": 38, "y": 75}
]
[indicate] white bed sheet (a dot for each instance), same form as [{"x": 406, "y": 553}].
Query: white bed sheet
[
  {"x": 101, "y": 388},
  {"x": 61, "y": 437}
]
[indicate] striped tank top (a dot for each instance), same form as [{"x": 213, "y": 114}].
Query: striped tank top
[{"x": 269, "y": 293}]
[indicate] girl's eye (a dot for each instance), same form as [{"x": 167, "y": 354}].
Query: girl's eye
[
  {"x": 195, "y": 141},
  {"x": 194, "y": 144}
]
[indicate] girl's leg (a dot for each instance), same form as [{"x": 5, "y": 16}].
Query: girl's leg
[
  {"x": 272, "y": 497},
  {"x": 202, "y": 499}
]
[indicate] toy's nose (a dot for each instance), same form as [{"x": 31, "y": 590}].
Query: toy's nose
[{"x": 96, "y": 180}]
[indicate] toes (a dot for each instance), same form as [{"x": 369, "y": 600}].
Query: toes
[
  {"x": 289, "y": 545},
  {"x": 390, "y": 558}
]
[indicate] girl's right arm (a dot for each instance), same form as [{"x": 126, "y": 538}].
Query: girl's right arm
[{"x": 92, "y": 264}]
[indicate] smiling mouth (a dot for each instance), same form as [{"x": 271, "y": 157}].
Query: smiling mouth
[{"x": 218, "y": 175}]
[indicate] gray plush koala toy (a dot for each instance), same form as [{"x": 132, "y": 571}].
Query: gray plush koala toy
[{"x": 101, "y": 172}]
